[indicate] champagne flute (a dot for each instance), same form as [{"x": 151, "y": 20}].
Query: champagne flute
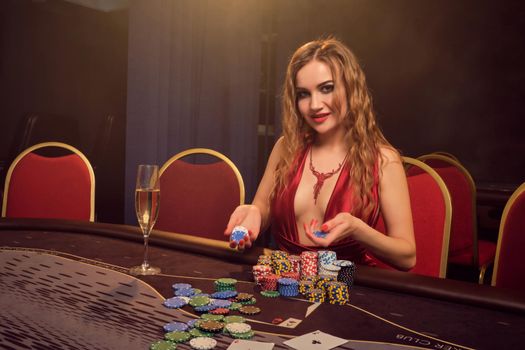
[{"x": 147, "y": 200}]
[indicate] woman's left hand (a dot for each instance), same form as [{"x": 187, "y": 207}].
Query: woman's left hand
[{"x": 341, "y": 226}]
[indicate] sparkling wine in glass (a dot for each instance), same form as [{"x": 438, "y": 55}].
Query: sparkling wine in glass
[{"x": 147, "y": 200}]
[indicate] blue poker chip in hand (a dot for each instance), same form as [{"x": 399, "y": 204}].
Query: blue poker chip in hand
[
  {"x": 238, "y": 234},
  {"x": 320, "y": 234}
]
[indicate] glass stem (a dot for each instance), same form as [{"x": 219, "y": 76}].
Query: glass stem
[{"x": 145, "y": 263}]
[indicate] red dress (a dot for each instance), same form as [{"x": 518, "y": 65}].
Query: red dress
[{"x": 284, "y": 226}]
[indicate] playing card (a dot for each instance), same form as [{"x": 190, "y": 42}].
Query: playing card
[
  {"x": 315, "y": 341},
  {"x": 290, "y": 323},
  {"x": 240, "y": 344}
]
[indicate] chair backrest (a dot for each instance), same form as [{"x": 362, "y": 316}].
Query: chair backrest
[
  {"x": 431, "y": 212},
  {"x": 198, "y": 198},
  {"x": 447, "y": 154},
  {"x": 509, "y": 267},
  {"x": 61, "y": 187},
  {"x": 459, "y": 182}
]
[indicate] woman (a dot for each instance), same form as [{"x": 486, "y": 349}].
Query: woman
[{"x": 332, "y": 168}]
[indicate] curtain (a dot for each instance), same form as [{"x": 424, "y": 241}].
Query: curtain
[{"x": 193, "y": 81}]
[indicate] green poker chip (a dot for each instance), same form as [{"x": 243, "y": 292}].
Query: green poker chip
[
  {"x": 177, "y": 336},
  {"x": 227, "y": 281},
  {"x": 163, "y": 345},
  {"x": 234, "y": 318},
  {"x": 195, "y": 332},
  {"x": 270, "y": 293},
  {"x": 212, "y": 317},
  {"x": 247, "y": 335},
  {"x": 235, "y": 306},
  {"x": 199, "y": 301}
]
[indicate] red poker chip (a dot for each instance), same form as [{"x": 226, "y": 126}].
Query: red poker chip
[
  {"x": 277, "y": 320},
  {"x": 220, "y": 311}
]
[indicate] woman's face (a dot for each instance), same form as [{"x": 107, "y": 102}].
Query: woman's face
[{"x": 315, "y": 91}]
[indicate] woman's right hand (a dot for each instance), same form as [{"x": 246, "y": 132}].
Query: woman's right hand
[{"x": 248, "y": 216}]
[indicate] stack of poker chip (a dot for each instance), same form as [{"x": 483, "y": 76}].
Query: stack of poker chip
[
  {"x": 269, "y": 282},
  {"x": 329, "y": 270},
  {"x": 238, "y": 234},
  {"x": 281, "y": 265},
  {"x": 239, "y": 330},
  {"x": 326, "y": 257},
  {"x": 295, "y": 260},
  {"x": 316, "y": 296},
  {"x": 264, "y": 260},
  {"x": 259, "y": 271},
  {"x": 279, "y": 255},
  {"x": 288, "y": 287},
  {"x": 337, "y": 293},
  {"x": 308, "y": 264},
  {"x": 306, "y": 286},
  {"x": 291, "y": 274},
  {"x": 223, "y": 284},
  {"x": 347, "y": 272},
  {"x": 323, "y": 280}
]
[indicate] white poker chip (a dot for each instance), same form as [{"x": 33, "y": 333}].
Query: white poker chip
[
  {"x": 238, "y": 327},
  {"x": 203, "y": 343}
]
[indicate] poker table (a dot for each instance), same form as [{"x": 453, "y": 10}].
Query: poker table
[{"x": 64, "y": 285}]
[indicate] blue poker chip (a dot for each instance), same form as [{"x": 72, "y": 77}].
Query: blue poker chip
[
  {"x": 185, "y": 292},
  {"x": 176, "y": 326},
  {"x": 287, "y": 281},
  {"x": 238, "y": 234},
  {"x": 343, "y": 263},
  {"x": 221, "y": 303},
  {"x": 177, "y": 286},
  {"x": 226, "y": 294},
  {"x": 175, "y": 303},
  {"x": 320, "y": 234},
  {"x": 201, "y": 295},
  {"x": 191, "y": 323},
  {"x": 205, "y": 308}
]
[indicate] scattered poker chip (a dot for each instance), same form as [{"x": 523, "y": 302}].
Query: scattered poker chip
[
  {"x": 177, "y": 286},
  {"x": 277, "y": 320},
  {"x": 211, "y": 326},
  {"x": 163, "y": 345},
  {"x": 235, "y": 306},
  {"x": 220, "y": 311},
  {"x": 185, "y": 292},
  {"x": 243, "y": 296},
  {"x": 234, "y": 318},
  {"x": 238, "y": 327},
  {"x": 270, "y": 293},
  {"x": 191, "y": 323},
  {"x": 205, "y": 308},
  {"x": 249, "y": 310},
  {"x": 247, "y": 335},
  {"x": 195, "y": 332},
  {"x": 177, "y": 336},
  {"x": 320, "y": 234},
  {"x": 249, "y": 302},
  {"x": 226, "y": 294},
  {"x": 203, "y": 343},
  {"x": 175, "y": 326},
  {"x": 238, "y": 234},
  {"x": 221, "y": 303},
  {"x": 199, "y": 301},
  {"x": 212, "y": 317},
  {"x": 175, "y": 303}
]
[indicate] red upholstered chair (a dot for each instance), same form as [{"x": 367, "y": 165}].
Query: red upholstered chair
[
  {"x": 465, "y": 247},
  {"x": 431, "y": 214},
  {"x": 198, "y": 198},
  {"x": 50, "y": 187},
  {"x": 509, "y": 267}
]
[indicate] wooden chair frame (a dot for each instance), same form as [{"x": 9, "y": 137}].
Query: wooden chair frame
[
  {"x": 58, "y": 145},
  {"x": 407, "y": 161},
  {"x": 504, "y": 216}
]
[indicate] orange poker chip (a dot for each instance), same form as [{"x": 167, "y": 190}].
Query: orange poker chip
[
  {"x": 220, "y": 311},
  {"x": 249, "y": 310}
]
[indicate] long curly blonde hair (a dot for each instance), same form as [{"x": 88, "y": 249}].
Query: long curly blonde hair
[{"x": 363, "y": 136}]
